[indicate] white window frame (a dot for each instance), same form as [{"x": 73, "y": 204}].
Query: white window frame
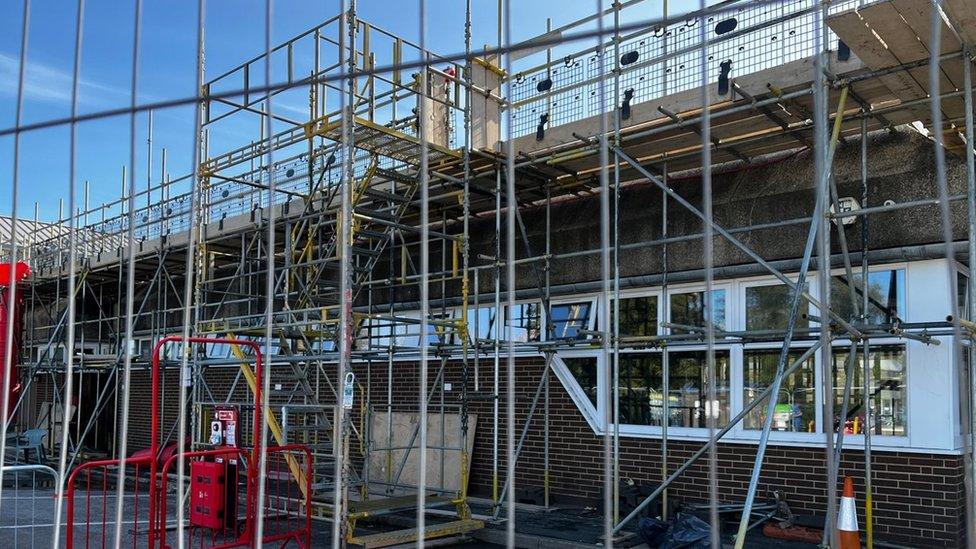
[
  {"x": 639, "y": 293},
  {"x": 698, "y": 287},
  {"x": 688, "y": 433},
  {"x": 590, "y": 413},
  {"x": 960, "y": 374},
  {"x": 739, "y": 403},
  {"x": 571, "y": 300}
]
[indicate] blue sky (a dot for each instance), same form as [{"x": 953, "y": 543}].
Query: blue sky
[{"x": 234, "y": 32}]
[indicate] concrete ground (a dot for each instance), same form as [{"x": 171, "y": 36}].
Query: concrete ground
[{"x": 26, "y": 522}]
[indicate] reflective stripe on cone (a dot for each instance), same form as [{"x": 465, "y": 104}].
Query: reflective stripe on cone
[{"x": 847, "y": 530}]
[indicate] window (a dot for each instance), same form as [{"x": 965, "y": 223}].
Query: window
[
  {"x": 584, "y": 371},
  {"x": 217, "y": 350},
  {"x": 640, "y": 389},
  {"x": 796, "y": 404},
  {"x": 690, "y": 310},
  {"x": 323, "y": 344},
  {"x": 382, "y": 333},
  {"x": 888, "y": 390},
  {"x": 526, "y": 322},
  {"x": 437, "y": 332},
  {"x": 886, "y": 296},
  {"x": 482, "y": 318},
  {"x": 569, "y": 319},
  {"x": 768, "y": 308},
  {"x": 689, "y": 388},
  {"x": 638, "y": 316}
]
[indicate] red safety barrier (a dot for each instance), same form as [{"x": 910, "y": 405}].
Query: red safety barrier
[
  {"x": 197, "y": 536},
  {"x": 286, "y": 507},
  {"x": 251, "y": 490},
  {"x": 95, "y": 480},
  {"x": 287, "y": 512}
]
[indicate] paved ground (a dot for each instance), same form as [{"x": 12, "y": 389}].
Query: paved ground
[
  {"x": 26, "y": 521},
  {"x": 26, "y": 513}
]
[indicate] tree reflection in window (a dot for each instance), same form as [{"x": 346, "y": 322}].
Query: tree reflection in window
[
  {"x": 768, "y": 308},
  {"x": 584, "y": 371},
  {"x": 888, "y": 390},
  {"x": 690, "y": 310},
  {"x": 886, "y": 296},
  {"x": 638, "y": 316},
  {"x": 642, "y": 389}
]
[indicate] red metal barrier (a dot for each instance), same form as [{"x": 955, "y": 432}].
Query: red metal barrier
[
  {"x": 287, "y": 513},
  {"x": 94, "y": 478},
  {"x": 217, "y": 539},
  {"x": 154, "y": 424},
  {"x": 280, "y": 505}
]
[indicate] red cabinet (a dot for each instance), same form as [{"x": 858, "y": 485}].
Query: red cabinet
[{"x": 208, "y": 494}]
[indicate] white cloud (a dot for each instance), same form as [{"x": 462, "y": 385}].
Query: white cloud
[{"x": 53, "y": 85}]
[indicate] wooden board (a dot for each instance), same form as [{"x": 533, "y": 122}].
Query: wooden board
[
  {"x": 917, "y": 16},
  {"x": 410, "y": 535},
  {"x": 851, "y": 28},
  {"x": 404, "y": 424},
  {"x": 962, "y": 14},
  {"x": 894, "y": 32}
]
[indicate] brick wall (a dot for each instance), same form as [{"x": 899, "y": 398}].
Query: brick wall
[{"x": 919, "y": 498}]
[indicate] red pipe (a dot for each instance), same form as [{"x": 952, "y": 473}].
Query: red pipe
[
  {"x": 11, "y": 275},
  {"x": 10, "y": 361}
]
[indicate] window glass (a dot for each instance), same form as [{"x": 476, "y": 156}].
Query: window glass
[
  {"x": 484, "y": 317},
  {"x": 217, "y": 350},
  {"x": 526, "y": 320},
  {"x": 796, "y": 404},
  {"x": 439, "y": 334},
  {"x": 640, "y": 389},
  {"x": 642, "y": 396},
  {"x": 584, "y": 371},
  {"x": 690, "y": 310},
  {"x": 888, "y": 391},
  {"x": 569, "y": 318},
  {"x": 638, "y": 316},
  {"x": 688, "y": 383},
  {"x": 322, "y": 344},
  {"x": 768, "y": 308},
  {"x": 886, "y": 296}
]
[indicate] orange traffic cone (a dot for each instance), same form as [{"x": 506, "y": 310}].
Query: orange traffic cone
[{"x": 847, "y": 518}]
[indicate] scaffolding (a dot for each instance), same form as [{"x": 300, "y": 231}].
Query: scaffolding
[{"x": 339, "y": 242}]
